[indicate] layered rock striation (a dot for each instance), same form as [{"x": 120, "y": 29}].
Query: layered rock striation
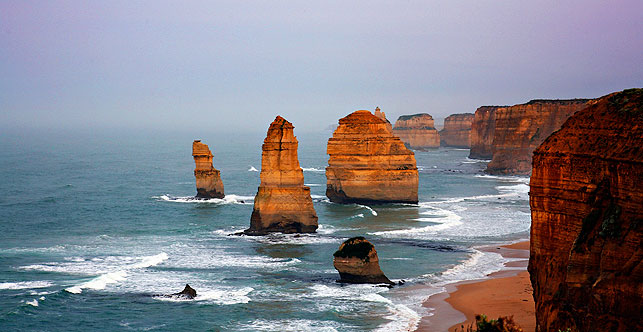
[
  {"x": 283, "y": 203},
  {"x": 483, "y": 129},
  {"x": 586, "y": 203},
  {"x": 382, "y": 116},
  {"x": 208, "y": 178},
  {"x": 522, "y": 128},
  {"x": 368, "y": 164},
  {"x": 357, "y": 263},
  {"x": 417, "y": 131},
  {"x": 457, "y": 130}
]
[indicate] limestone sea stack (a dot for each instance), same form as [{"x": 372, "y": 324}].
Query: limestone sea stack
[
  {"x": 368, "y": 164},
  {"x": 457, "y": 130},
  {"x": 378, "y": 113},
  {"x": 522, "y": 128},
  {"x": 483, "y": 129},
  {"x": 357, "y": 263},
  {"x": 283, "y": 203},
  {"x": 208, "y": 178},
  {"x": 417, "y": 131},
  {"x": 586, "y": 198}
]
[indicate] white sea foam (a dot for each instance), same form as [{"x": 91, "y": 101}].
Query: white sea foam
[
  {"x": 292, "y": 325},
  {"x": 252, "y": 169},
  {"x": 313, "y": 169},
  {"x": 228, "y": 199},
  {"x": 26, "y": 284},
  {"x": 222, "y": 296},
  {"x": 33, "y": 302},
  {"x": 441, "y": 219},
  {"x": 468, "y": 160},
  {"x": 99, "y": 282},
  {"x": 320, "y": 198},
  {"x": 313, "y": 184},
  {"x": 280, "y": 238},
  {"x": 373, "y": 212}
]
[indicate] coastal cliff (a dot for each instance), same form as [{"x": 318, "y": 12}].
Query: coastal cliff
[
  {"x": 283, "y": 203},
  {"x": 457, "y": 130},
  {"x": 357, "y": 263},
  {"x": 417, "y": 131},
  {"x": 482, "y": 132},
  {"x": 522, "y": 128},
  {"x": 586, "y": 201},
  {"x": 368, "y": 164},
  {"x": 208, "y": 178}
]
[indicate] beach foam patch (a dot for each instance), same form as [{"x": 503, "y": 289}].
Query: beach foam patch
[{"x": 25, "y": 284}]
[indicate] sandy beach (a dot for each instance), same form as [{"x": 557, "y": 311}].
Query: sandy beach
[{"x": 504, "y": 293}]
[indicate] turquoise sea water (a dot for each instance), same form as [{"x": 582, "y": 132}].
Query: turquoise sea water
[{"x": 95, "y": 225}]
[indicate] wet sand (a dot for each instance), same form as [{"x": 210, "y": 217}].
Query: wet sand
[{"x": 505, "y": 293}]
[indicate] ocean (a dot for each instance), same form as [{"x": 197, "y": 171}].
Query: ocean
[{"x": 96, "y": 226}]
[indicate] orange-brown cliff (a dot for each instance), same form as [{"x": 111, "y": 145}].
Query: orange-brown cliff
[
  {"x": 417, "y": 131},
  {"x": 457, "y": 130},
  {"x": 482, "y": 132},
  {"x": 208, "y": 178},
  {"x": 283, "y": 203},
  {"x": 382, "y": 116},
  {"x": 587, "y": 219},
  {"x": 368, "y": 164},
  {"x": 521, "y": 128}
]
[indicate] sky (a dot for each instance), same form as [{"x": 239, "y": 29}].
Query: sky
[{"x": 235, "y": 65}]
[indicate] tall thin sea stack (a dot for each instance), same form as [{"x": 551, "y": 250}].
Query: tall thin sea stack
[{"x": 208, "y": 178}]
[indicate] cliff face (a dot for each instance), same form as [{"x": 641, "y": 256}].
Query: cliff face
[
  {"x": 457, "y": 130},
  {"x": 521, "y": 128},
  {"x": 368, "y": 164},
  {"x": 382, "y": 116},
  {"x": 357, "y": 263},
  {"x": 587, "y": 219},
  {"x": 482, "y": 132},
  {"x": 283, "y": 203},
  {"x": 208, "y": 179},
  {"x": 417, "y": 131}
]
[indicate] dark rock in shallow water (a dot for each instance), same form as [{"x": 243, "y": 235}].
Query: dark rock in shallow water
[
  {"x": 357, "y": 263},
  {"x": 187, "y": 292}
]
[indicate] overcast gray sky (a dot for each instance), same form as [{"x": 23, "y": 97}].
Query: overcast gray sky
[{"x": 235, "y": 65}]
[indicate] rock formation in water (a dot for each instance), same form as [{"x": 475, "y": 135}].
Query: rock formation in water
[
  {"x": 586, "y": 199},
  {"x": 283, "y": 203},
  {"x": 382, "y": 116},
  {"x": 187, "y": 292},
  {"x": 482, "y": 132},
  {"x": 368, "y": 164},
  {"x": 208, "y": 178},
  {"x": 457, "y": 130},
  {"x": 417, "y": 131},
  {"x": 357, "y": 263},
  {"x": 521, "y": 128}
]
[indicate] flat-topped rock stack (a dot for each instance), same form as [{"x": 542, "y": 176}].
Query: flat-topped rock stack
[
  {"x": 283, "y": 203},
  {"x": 483, "y": 130},
  {"x": 586, "y": 198},
  {"x": 208, "y": 178},
  {"x": 417, "y": 131},
  {"x": 521, "y": 128},
  {"x": 457, "y": 130},
  {"x": 368, "y": 164}
]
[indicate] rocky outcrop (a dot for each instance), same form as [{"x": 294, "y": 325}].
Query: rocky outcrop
[
  {"x": 457, "y": 131},
  {"x": 368, "y": 164},
  {"x": 482, "y": 132},
  {"x": 521, "y": 128},
  {"x": 382, "y": 116},
  {"x": 283, "y": 203},
  {"x": 187, "y": 292},
  {"x": 208, "y": 178},
  {"x": 357, "y": 263},
  {"x": 417, "y": 131},
  {"x": 586, "y": 203}
]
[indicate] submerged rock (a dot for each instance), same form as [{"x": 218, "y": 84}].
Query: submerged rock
[
  {"x": 586, "y": 198},
  {"x": 417, "y": 131},
  {"x": 283, "y": 203},
  {"x": 457, "y": 130},
  {"x": 208, "y": 178},
  {"x": 368, "y": 164},
  {"x": 357, "y": 263},
  {"x": 187, "y": 292}
]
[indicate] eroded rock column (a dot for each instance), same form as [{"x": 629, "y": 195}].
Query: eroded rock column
[{"x": 208, "y": 178}]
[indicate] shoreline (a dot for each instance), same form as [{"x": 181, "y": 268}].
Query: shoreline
[{"x": 503, "y": 293}]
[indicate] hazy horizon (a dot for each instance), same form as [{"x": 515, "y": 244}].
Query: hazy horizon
[{"x": 234, "y": 66}]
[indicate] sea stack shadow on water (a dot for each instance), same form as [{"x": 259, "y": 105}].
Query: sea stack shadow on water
[
  {"x": 283, "y": 203},
  {"x": 368, "y": 164},
  {"x": 357, "y": 263},
  {"x": 208, "y": 178}
]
